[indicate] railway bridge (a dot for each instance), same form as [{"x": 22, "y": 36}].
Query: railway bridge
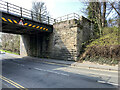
[
  {"x": 43, "y": 36},
  {"x": 33, "y": 31}
]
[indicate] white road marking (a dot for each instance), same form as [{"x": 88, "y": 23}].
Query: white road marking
[
  {"x": 68, "y": 69},
  {"x": 108, "y": 82},
  {"x": 21, "y": 65},
  {"x": 46, "y": 70},
  {"x": 51, "y": 71},
  {"x": 94, "y": 74}
]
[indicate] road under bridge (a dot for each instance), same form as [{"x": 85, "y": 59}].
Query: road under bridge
[{"x": 34, "y": 33}]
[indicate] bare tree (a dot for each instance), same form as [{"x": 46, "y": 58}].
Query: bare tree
[
  {"x": 116, "y": 7},
  {"x": 104, "y": 13},
  {"x": 40, "y": 10},
  {"x": 99, "y": 12}
]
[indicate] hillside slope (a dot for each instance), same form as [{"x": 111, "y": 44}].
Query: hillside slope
[{"x": 104, "y": 50}]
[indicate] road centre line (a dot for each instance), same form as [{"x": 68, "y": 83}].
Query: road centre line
[
  {"x": 75, "y": 66},
  {"x": 51, "y": 71},
  {"x": 69, "y": 65},
  {"x": 68, "y": 75},
  {"x": 54, "y": 63},
  {"x": 46, "y": 70},
  {"x": 90, "y": 72}
]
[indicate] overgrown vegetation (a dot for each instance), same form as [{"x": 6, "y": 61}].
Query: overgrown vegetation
[
  {"x": 105, "y": 49},
  {"x": 110, "y": 37}
]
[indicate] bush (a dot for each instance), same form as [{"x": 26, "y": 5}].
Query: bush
[
  {"x": 110, "y": 37},
  {"x": 109, "y": 30},
  {"x": 105, "y": 49}
]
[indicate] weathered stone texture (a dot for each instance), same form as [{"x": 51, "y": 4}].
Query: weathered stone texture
[
  {"x": 68, "y": 37},
  {"x": 64, "y": 43}
]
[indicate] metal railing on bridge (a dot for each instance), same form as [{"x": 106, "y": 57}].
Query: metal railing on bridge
[
  {"x": 68, "y": 17},
  {"x": 24, "y": 13}
]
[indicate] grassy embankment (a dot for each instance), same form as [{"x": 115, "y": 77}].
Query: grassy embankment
[{"x": 105, "y": 49}]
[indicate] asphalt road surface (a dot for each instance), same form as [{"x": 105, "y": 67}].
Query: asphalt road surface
[{"x": 25, "y": 73}]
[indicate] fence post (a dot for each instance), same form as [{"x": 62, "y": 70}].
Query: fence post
[
  {"x": 48, "y": 20},
  {"x": 60, "y": 19},
  {"x": 74, "y": 15},
  {"x": 32, "y": 15},
  {"x": 67, "y": 17},
  {"x": 36, "y": 16},
  {"x": 40, "y": 18},
  {"x": 54, "y": 20},
  {"x": 21, "y": 11},
  {"x": 7, "y": 7}
]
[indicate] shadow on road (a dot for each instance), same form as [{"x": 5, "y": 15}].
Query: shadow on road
[{"x": 35, "y": 74}]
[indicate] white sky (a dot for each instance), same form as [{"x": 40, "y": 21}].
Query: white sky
[{"x": 56, "y": 8}]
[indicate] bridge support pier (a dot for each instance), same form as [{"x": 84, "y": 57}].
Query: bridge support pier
[
  {"x": 34, "y": 45},
  {"x": 68, "y": 37},
  {"x": 24, "y": 45}
]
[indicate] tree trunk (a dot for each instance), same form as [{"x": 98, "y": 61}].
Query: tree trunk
[
  {"x": 99, "y": 17},
  {"x": 104, "y": 13}
]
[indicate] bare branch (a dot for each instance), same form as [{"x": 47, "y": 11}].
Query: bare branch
[{"x": 114, "y": 8}]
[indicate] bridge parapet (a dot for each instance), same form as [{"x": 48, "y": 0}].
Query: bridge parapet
[
  {"x": 67, "y": 17},
  {"x": 25, "y": 13}
]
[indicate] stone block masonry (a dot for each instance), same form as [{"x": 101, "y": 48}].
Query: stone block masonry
[
  {"x": 64, "y": 43},
  {"x": 68, "y": 36}
]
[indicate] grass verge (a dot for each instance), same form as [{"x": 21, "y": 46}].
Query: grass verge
[{"x": 9, "y": 52}]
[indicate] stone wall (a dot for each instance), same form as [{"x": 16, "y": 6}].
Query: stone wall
[
  {"x": 68, "y": 36},
  {"x": 84, "y": 33},
  {"x": 64, "y": 43}
]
